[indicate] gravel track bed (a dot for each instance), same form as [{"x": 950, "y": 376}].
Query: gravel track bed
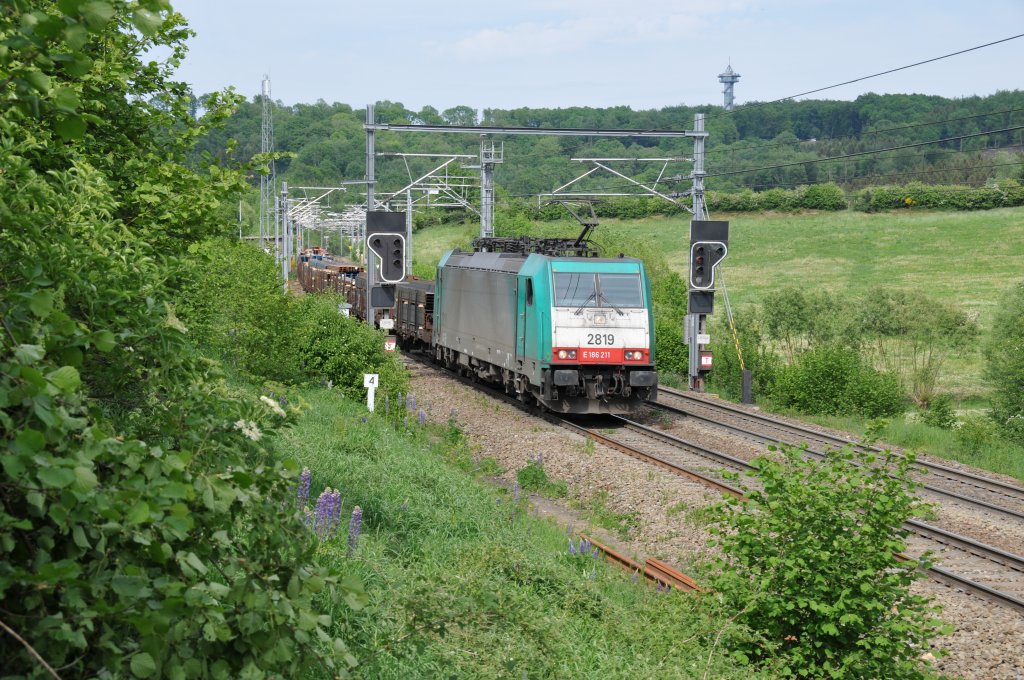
[{"x": 988, "y": 641}]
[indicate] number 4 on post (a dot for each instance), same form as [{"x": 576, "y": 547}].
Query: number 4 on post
[{"x": 370, "y": 382}]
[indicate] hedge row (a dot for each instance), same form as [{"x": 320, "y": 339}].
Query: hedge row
[{"x": 1002, "y": 194}]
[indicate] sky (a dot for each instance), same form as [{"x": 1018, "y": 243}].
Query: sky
[{"x": 645, "y": 54}]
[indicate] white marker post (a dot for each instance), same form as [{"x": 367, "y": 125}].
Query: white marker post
[{"x": 370, "y": 381}]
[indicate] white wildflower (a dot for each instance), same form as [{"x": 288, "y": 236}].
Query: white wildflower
[
  {"x": 249, "y": 429},
  {"x": 273, "y": 405}
]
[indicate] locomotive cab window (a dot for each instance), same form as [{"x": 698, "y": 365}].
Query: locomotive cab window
[
  {"x": 575, "y": 289},
  {"x": 621, "y": 290},
  {"x": 586, "y": 289}
]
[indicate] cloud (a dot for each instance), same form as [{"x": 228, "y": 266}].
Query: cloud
[{"x": 575, "y": 25}]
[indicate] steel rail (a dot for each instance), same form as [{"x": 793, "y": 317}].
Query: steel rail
[
  {"x": 823, "y": 436},
  {"x": 987, "y": 482}
]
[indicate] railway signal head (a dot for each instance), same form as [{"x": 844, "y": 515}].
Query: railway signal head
[
  {"x": 390, "y": 249},
  {"x": 704, "y": 257}
]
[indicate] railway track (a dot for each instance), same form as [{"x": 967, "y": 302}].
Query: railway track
[
  {"x": 989, "y": 495},
  {"x": 967, "y": 565},
  {"x": 983, "y": 570}
]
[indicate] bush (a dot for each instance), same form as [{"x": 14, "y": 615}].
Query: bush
[
  {"x": 1002, "y": 194},
  {"x": 1004, "y": 364},
  {"x": 836, "y": 381},
  {"x": 726, "y": 378},
  {"x": 235, "y": 308},
  {"x": 810, "y": 567},
  {"x": 976, "y": 434},
  {"x": 940, "y": 412},
  {"x": 339, "y": 348}
]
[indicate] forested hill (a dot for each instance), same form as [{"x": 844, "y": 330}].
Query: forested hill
[{"x": 329, "y": 143}]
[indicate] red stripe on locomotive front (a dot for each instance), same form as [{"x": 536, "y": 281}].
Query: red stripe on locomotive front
[{"x": 602, "y": 355}]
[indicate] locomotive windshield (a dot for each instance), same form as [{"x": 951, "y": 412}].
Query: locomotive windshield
[{"x": 586, "y": 289}]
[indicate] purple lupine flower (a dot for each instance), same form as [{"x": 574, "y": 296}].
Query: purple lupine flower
[
  {"x": 594, "y": 554},
  {"x": 302, "y": 494},
  {"x": 659, "y": 586},
  {"x": 283, "y": 401},
  {"x": 363, "y": 419},
  {"x": 320, "y": 515},
  {"x": 636, "y": 575},
  {"x": 354, "y": 525},
  {"x": 572, "y": 548},
  {"x": 412, "y": 402},
  {"x": 515, "y": 492},
  {"x": 334, "y": 513},
  {"x": 423, "y": 418}
]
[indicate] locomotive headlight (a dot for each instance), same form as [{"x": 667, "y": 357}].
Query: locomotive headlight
[
  {"x": 572, "y": 354},
  {"x": 600, "y": 319},
  {"x": 562, "y": 354},
  {"x": 629, "y": 356}
]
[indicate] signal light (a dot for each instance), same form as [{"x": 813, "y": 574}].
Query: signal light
[
  {"x": 390, "y": 250},
  {"x": 704, "y": 257}
]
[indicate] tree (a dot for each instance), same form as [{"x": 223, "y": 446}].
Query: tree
[
  {"x": 144, "y": 526},
  {"x": 811, "y": 566},
  {"x": 1004, "y": 367}
]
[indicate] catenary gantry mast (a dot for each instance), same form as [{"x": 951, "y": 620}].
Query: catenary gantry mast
[{"x": 268, "y": 182}]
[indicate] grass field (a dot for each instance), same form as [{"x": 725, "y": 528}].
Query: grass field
[{"x": 969, "y": 259}]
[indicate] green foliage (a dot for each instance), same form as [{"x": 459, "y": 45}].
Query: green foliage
[
  {"x": 726, "y": 378},
  {"x": 787, "y": 139},
  {"x": 235, "y": 308},
  {"x": 597, "y": 511},
  {"x": 811, "y": 568},
  {"x": 341, "y": 349},
  {"x": 940, "y": 412},
  {"x": 146, "y": 528},
  {"x": 1004, "y": 364},
  {"x": 533, "y": 477},
  {"x": 975, "y": 435},
  {"x": 911, "y": 335},
  {"x": 836, "y": 381},
  {"x": 1004, "y": 193}
]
